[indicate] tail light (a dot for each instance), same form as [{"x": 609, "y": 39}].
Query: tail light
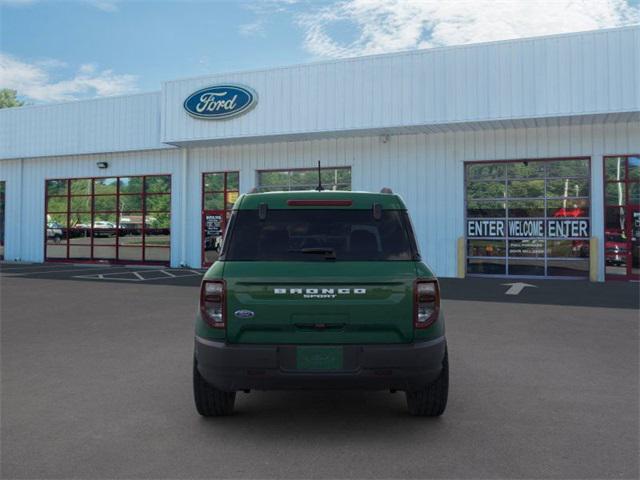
[
  {"x": 426, "y": 303},
  {"x": 212, "y": 300}
]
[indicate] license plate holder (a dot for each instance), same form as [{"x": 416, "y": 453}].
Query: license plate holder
[{"x": 319, "y": 358}]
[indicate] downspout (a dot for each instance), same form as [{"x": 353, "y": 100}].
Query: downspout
[
  {"x": 20, "y": 245},
  {"x": 183, "y": 206}
]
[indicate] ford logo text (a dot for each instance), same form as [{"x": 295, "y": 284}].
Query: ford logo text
[{"x": 220, "y": 102}]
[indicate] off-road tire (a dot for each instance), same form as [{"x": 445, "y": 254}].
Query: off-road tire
[
  {"x": 211, "y": 402},
  {"x": 432, "y": 401}
]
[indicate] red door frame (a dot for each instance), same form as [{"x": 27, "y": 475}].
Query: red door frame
[
  {"x": 223, "y": 213},
  {"x": 628, "y": 210},
  {"x": 3, "y": 187}
]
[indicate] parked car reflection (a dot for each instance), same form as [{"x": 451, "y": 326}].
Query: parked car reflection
[{"x": 54, "y": 232}]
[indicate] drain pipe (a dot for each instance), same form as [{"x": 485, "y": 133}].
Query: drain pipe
[{"x": 184, "y": 209}]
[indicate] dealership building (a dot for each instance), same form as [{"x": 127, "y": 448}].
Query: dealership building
[{"x": 517, "y": 158}]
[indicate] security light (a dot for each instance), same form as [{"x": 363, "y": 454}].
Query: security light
[{"x": 102, "y": 164}]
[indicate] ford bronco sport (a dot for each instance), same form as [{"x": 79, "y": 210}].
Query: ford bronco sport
[{"x": 319, "y": 290}]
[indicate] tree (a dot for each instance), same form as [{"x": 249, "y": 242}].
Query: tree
[{"x": 8, "y": 98}]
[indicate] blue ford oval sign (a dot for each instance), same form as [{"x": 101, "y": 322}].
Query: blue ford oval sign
[{"x": 220, "y": 101}]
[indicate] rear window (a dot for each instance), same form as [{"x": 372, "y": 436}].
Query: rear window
[{"x": 319, "y": 235}]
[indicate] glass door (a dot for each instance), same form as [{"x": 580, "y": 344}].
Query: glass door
[
  {"x": 635, "y": 240},
  {"x": 622, "y": 217},
  {"x": 2, "y": 220},
  {"x": 219, "y": 192}
]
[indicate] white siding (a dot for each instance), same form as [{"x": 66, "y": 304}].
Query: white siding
[
  {"x": 426, "y": 169},
  {"x": 562, "y": 79},
  {"x": 11, "y": 174},
  {"x": 25, "y": 225},
  {"x": 593, "y": 73},
  {"x": 112, "y": 124}
]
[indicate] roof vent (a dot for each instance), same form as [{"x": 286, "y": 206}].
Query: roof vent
[{"x": 386, "y": 190}]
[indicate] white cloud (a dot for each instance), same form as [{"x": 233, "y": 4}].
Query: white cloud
[
  {"x": 269, "y": 7},
  {"x": 252, "y": 28},
  {"x": 35, "y": 82},
  {"x": 391, "y": 25},
  {"x": 104, "y": 5}
]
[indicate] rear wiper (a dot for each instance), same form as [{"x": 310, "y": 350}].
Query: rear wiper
[{"x": 329, "y": 253}]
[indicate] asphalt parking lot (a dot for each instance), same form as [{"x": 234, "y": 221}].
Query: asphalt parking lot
[{"x": 96, "y": 383}]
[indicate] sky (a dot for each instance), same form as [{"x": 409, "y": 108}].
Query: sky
[{"x": 54, "y": 50}]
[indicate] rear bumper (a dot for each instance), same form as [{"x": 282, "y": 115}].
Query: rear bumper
[{"x": 273, "y": 367}]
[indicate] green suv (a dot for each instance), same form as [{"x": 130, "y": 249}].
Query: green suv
[{"x": 320, "y": 290}]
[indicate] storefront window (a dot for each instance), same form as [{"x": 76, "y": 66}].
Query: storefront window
[
  {"x": 530, "y": 217},
  {"x": 304, "y": 179},
  {"x": 109, "y": 219}
]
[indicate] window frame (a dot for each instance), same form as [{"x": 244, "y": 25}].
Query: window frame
[
  {"x": 506, "y": 199},
  {"x": 627, "y": 206},
  {"x": 226, "y": 210},
  {"x": 302, "y": 169},
  {"x": 117, "y": 213},
  {"x": 3, "y": 219}
]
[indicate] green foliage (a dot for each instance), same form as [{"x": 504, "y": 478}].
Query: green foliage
[
  {"x": 158, "y": 203},
  {"x": 8, "y": 98},
  {"x": 158, "y": 184},
  {"x": 332, "y": 179}
]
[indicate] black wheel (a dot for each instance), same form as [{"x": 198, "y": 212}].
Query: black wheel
[
  {"x": 211, "y": 402},
  {"x": 432, "y": 401}
]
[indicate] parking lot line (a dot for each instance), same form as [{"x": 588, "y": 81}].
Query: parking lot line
[
  {"x": 59, "y": 270},
  {"x": 139, "y": 276}
]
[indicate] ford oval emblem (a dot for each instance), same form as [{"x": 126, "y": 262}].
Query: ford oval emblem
[
  {"x": 220, "y": 102},
  {"x": 244, "y": 313}
]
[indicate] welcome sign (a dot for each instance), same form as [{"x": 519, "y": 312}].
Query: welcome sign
[
  {"x": 528, "y": 228},
  {"x": 220, "y": 102}
]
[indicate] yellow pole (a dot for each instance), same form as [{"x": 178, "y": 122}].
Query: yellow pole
[
  {"x": 593, "y": 259},
  {"x": 461, "y": 258}
]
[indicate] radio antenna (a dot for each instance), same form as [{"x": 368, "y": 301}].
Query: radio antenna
[{"x": 320, "y": 188}]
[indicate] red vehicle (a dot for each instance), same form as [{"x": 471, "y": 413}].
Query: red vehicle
[
  {"x": 615, "y": 248},
  {"x": 569, "y": 212}
]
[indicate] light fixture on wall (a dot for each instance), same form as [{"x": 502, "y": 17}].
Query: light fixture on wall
[
  {"x": 384, "y": 138},
  {"x": 102, "y": 165}
]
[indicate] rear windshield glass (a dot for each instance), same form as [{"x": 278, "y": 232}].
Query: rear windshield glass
[{"x": 319, "y": 235}]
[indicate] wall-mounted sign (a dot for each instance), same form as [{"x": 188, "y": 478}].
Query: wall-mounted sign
[
  {"x": 220, "y": 102},
  {"x": 528, "y": 228}
]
